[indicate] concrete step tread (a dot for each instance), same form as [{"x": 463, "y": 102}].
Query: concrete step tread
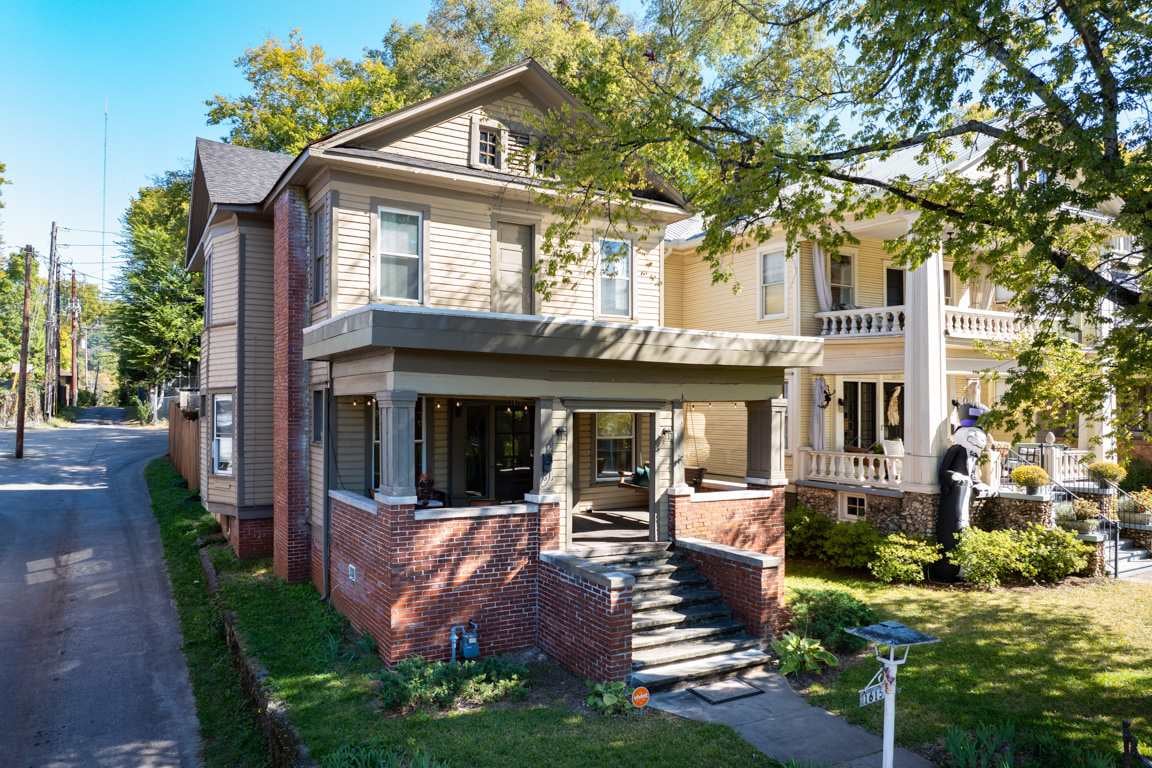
[
  {"x": 646, "y": 601},
  {"x": 690, "y": 614},
  {"x": 683, "y": 632},
  {"x": 678, "y": 581},
  {"x": 645, "y": 571},
  {"x": 692, "y": 649},
  {"x": 607, "y": 552},
  {"x": 668, "y": 675}
]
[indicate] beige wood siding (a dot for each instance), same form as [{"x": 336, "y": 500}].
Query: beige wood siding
[
  {"x": 715, "y": 437},
  {"x": 223, "y": 295},
  {"x": 449, "y": 141},
  {"x": 733, "y": 305},
  {"x": 438, "y": 449},
  {"x": 258, "y": 343},
  {"x": 590, "y": 494},
  {"x": 350, "y": 469},
  {"x": 673, "y": 294}
]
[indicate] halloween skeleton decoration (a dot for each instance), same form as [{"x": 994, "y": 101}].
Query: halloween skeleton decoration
[{"x": 959, "y": 479}]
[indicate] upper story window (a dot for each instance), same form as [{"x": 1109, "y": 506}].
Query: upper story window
[
  {"x": 488, "y": 148},
  {"x": 222, "y": 434},
  {"x": 893, "y": 287},
  {"x": 616, "y": 278},
  {"x": 842, "y": 278},
  {"x": 319, "y": 254},
  {"x": 401, "y": 253},
  {"x": 773, "y": 284},
  {"x": 949, "y": 296},
  {"x": 615, "y": 445}
]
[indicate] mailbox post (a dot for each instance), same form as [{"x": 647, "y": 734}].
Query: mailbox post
[{"x": 891, "y": 642}]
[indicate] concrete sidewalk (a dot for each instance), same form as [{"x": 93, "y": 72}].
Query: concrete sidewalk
[{"x": 782, "y": 725}]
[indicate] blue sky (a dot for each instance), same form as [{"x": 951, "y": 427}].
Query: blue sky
[{"x": 156, "y": 63}]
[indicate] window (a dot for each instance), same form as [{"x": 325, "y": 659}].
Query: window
[
  {"x": 853, "y": 507},
  {"x": 401, "y": 249},
  {"x": 616, "y": 278},
  {"x": 773, "y": 288},
  {"x": 615, "y": 445},
  {"x": 893, "y": 411},
  {"x": 841, "y": 277},
  {"x": 859, "y": 414},
  {"x": 319, "y": 254},
  {"x": 893, "y": 287},
  {"x": 948, "y": 287},
  {"x": 519, "y": 151},
  {"x": 488, "y": 149},
  {"x": 317, "y": 415},
  {"x": 222, "y": 434}
]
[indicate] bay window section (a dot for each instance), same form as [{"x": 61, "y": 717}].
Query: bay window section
[
  {"x": 616, "y": 278},
  {"x": 615, "y": 445},
  {"x": 401, "y": 245}
]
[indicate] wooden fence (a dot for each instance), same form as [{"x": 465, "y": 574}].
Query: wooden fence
[{"x": 184, "y": 445}]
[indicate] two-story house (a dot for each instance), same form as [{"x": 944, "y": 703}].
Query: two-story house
[
  {"x": 391, "y": 410},
  {"x": 901, "y": 348}
]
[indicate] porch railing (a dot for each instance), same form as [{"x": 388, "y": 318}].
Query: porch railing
[
  {"x": 864, "y": 469},
  {"x": 983, "y": 324},
  {"x": 853, "y": 323}
]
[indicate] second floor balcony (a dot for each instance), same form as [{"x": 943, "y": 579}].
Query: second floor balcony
[{"x": 959, "y": 322}]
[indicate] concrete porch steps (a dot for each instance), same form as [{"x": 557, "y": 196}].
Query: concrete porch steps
[
  {"x": 674, "y": 581},
  {"x": 675, "y": 634},
  {"x": 699, "y": 670},
  {"x": 643, "y": 601},
  {"x": 692, "y": 649},
  {"x": 1132, "y": 561},
  {"x": 654, "y": 619}
]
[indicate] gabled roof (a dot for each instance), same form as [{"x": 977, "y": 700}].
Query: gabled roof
[{"x": 235, "y": 175}]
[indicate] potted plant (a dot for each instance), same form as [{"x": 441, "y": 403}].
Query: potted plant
[
  {"x": 1107, "y": 473},
  {"x": 1031, "y": 477},
  {"x": 1085, "y": 516}
]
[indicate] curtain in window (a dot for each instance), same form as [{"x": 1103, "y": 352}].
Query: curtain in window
[
  {"x": 399, "y": 255},
  {"x": 823, "y": 288}
]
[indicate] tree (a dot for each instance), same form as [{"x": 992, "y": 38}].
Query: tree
[
  {"x": 298, "y": 95},
  {"x": 806, "y": 104},
  {"x": 157, "y": 322}
]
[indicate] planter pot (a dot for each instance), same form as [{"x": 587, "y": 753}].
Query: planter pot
[
  {"x": 1033, "y": 490},
  {"x": 1083, "y": 526},
  {"x": 1104, "y": 485}
]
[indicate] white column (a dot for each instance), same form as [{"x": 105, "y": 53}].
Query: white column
[
  {"x": 926, "y": 400},
  {"x": 397, "y": 447},
  {"x": 1097, "y": 435}
]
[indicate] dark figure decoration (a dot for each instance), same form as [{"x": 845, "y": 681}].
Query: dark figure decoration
[{"x": 959, "y": 481}]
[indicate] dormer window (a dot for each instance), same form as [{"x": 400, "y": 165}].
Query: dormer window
[{"x": 488, "y": 147}]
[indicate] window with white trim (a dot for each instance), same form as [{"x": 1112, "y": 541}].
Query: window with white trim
[
  {"x": 616, "y": 278},
  {"x": 488, "y": 147},
  {"x": 615, "y": 445},
  {"x": 842, "y": 279},
  {"x": 222, "y": 428},
  {"x": 948, "y": 295},
  {"x": 401, "y": 244},
  {"x": 319, "y": 254},
  {"x": 773, "y": 284},
  {"x": 853, "y": 507}
]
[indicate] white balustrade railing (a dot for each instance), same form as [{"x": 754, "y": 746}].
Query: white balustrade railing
[
  {"x": 983, "y": 324},
  {"x": 855, "y": 323},
  {"x": 851, "y": 468},
  {"x": 1068, "y": 464}
]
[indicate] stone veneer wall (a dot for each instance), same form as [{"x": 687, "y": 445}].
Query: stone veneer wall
[
  {"x": 1002, "y": 512},
  {"x": 821, "y": 500}
]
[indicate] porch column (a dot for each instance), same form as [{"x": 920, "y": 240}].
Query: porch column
[
  {"x": 926, "y": 400},
  {"x": 1096, "y": 435},
  {"x": 766, "y": 435},
  {"x": 667, "y": 457},
  {"x": 550, "y": 472},
  {"x": 397, "y": 414}
]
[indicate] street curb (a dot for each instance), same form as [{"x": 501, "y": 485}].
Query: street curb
[{"x": 286, "y": 749}]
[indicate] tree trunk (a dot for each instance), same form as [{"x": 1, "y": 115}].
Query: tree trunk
[{"x": 154, "y": 396}]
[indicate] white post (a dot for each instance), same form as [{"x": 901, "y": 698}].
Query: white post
[
  {"x": 926, "y": 400},
  {"x": 890, "y": 667}
]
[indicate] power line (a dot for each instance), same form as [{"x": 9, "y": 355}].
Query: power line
[{"x": 90, "y": 231}]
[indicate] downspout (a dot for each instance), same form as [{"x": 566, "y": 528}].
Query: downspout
[{"x": 329, "y": 410}]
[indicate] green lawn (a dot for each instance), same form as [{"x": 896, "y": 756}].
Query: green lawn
[
  {"x": 230, "y": 735},
  {"x": 328, "y": 686},
  {"x": 1073, "y": 660}
]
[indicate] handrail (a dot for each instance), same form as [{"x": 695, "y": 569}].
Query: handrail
[
  {"x": 863, "y": 321},
  {"x": 966, "y": 323}
]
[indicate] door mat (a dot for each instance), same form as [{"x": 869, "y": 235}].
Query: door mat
[{"x": 725, "y": 690}]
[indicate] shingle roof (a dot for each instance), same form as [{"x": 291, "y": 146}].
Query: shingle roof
[{"x": 238, "y": 175}]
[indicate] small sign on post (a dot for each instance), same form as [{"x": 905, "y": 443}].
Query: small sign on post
[
  {"x": 640, "y": 697},
  {"x": 897, "y": 639}
]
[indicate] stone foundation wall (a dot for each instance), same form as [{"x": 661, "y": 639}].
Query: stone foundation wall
[
  {"x": 919, "y": 513},
  {"x": 820, "y": 500},
  {"x": 1001, "y": 512}
]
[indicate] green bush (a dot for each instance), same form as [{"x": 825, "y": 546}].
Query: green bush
[
  {"x": 1139, "y": 475},
  {"x": 805, "y": 531},
  {"x": 1108, "y": 471},
  {"x": 1030, "y": 476},
  {"x": 986, "y": 558},
  {"x": 1082, "y": 509},
  {"x": 900, "y": 558},
  {"x": 852, "y": 545},
  {"x": 372, "y": 756},
  {"x": 1036, "y": 554},
  {"x": 609, "y": 698},
  {"x": 801, "y": 654},
  {"x": 417, "y": 683},
  {"x": 1002, "y": 746},
  {"x": 824, "y": 614}
]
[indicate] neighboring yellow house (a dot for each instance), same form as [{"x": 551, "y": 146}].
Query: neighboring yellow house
[{"x": 864, "y": 429}]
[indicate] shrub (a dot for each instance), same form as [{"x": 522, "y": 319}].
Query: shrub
[
  {"x": 805, "y": 531},
  {"x": 417, "y": 683},
  {"x": 1108, "y": 471},
  {"x": 1139, "y": 475},
  {"x": 852, "y": 545},
  {"x": 1002, "y": 746},
  {"x": 1082, "y": 509},
  {"x": 372, "y": 756},
  {"x": 903, "y": 559},
  {"x": 824, "y": 614},
  {"x": 986, "y": 558},
  {"x": 142, "y": 411},
  {"x": 1142, "y": 500},
  {"x": 609, "y": 698},
  {"x": 1048, "y": 555},
  {"x": 801, "y": 654},
  {"x": 1030, "y": 476}
]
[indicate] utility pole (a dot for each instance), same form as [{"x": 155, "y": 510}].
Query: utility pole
[
  {"x": 22, "y": 390},
  {"x": 74, "y": 309},
  {"x": 51, "y": 363},
  {"x": 56, "y": 337}
]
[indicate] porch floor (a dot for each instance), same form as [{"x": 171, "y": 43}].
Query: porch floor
[{"x": 620, "y": 525}]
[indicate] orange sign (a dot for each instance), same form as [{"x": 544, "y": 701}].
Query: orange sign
[{"x": 640, "y": 697}]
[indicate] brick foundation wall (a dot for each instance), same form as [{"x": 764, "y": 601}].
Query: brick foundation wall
[
  {"x": 584, "y": 625},
  {"x": 754, "y": 594},
  {"x": 290, "y": 556},
  {"x": 250, "y": 538},
  {"x": 358, "y": 539},
  {"x": 756, "y": 524}
]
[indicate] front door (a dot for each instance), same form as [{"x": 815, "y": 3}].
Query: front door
[{"x": 512, "y": 270}]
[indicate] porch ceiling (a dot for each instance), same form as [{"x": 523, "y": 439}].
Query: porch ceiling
[{"x": 378, "y": 326}]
